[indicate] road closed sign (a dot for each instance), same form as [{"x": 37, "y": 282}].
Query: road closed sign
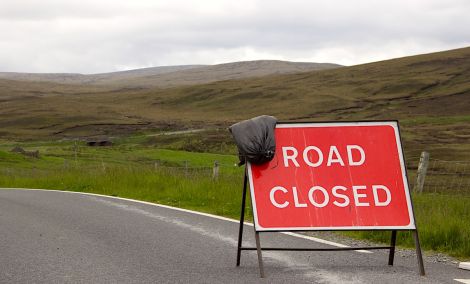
[{"x": 333, "y": 176}]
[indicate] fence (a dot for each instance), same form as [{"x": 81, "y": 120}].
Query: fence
[
  {"x": 440, "y": 176},
  {"x": 190, "y": 171},
  {"x": 426, "y": 174}
]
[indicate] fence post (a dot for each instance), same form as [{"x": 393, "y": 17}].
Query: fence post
[
  {"x": 422, "y": 169},
  {"x": 215, "y": 170},
  {"x": 75, "y": 150},
  {"x": 186, "y": 168},
  {"x": 103, "y": 165}
]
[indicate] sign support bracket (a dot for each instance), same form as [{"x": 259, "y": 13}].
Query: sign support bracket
[
  {"x": 260, "y": 256},
  {"x": 240, "y": 231},
  {"x": 242, "y": 218},
  {"x": 391, "y": 255},
  {"x": 418, "y": 252},
  {"x": 259, "y": 250}
]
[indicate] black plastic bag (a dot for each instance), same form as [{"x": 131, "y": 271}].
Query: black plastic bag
[{"x": 255, "y": 139}]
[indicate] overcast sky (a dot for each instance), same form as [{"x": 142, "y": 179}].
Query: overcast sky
[{"x": 91, "y": 36}]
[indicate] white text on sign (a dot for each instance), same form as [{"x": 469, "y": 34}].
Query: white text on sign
[
  {"x": 318, "y": 196},
  {"x": 291, "y": 154},
  {"x": 279, "y": 196}
]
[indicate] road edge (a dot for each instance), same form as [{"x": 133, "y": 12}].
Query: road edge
[{"x": 297, "y": 235}]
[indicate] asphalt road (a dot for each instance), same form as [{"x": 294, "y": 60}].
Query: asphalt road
[{"x": 59, "y": 237}]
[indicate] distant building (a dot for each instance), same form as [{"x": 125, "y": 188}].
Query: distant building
[
  {"x": 99, "y": 142},
  {"x": 32, "y": 154}
]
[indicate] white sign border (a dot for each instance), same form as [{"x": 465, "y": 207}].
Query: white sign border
[{"x": 394, "y": 125}]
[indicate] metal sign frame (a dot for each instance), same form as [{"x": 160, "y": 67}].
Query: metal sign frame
[{"x": 393, "y": 237}]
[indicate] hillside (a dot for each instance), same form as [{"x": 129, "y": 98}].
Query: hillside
[
  {"x": 429, "y": 94},
  {"x": 435, "y": 84},
  {"x": 171, "y": 76},
  {"x": 76, "y": 78},
  {"x": 228, "y": 71}
]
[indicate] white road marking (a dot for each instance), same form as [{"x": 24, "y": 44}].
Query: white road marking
[
  {"x": 464, "y": 265},
  {"x": 466, "y": 281},
  {"x": 325, "y": 276},
  {"x": 318, "y": 240},
  {"x": 174, "y": 221}
]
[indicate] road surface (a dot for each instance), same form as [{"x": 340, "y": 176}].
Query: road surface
[{"x": 61, "y": 237}]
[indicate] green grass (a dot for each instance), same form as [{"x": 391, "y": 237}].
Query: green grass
[
  {"x": 56, "y": 154},
  {"x": 171, "y": 177}
]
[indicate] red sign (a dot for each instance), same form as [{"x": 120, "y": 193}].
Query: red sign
[{"x": 341, "y": 176}]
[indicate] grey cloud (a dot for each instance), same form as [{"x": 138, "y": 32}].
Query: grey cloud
[{"x": 98, "y": 36}]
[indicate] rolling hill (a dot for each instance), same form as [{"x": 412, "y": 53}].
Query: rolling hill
[
  {"x": 429, "y": 94},
  {"x": 170, "y": 76},
  {"x": 76, "y": 78}
]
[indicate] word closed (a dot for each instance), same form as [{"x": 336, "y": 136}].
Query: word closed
[{"x": 333, "y": 176}]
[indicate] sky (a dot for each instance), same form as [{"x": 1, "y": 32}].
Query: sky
[{"x": 93, "y": 36}]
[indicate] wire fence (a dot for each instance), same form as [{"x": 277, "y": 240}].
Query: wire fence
[
  {"x": 447, "y": 177},
  {"x": 189, "y": 171},
  {"x": 441, "y": 176}
]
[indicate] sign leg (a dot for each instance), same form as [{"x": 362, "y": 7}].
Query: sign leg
[
  {"x": 260, "y": 256},
  {"x": 391, "y": 254},
  {"x": 418, "y": 253},
  {"x": 242, "y": 219}
]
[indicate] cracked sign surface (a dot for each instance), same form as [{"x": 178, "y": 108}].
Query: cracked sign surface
[{"x": 333, "y": 176}]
